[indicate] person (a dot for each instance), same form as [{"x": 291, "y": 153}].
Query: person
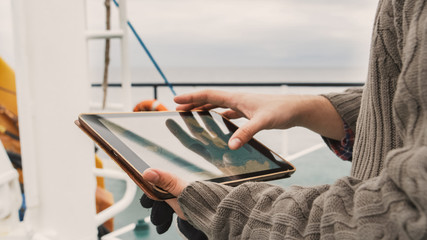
[{"x": 381, "y": 128}]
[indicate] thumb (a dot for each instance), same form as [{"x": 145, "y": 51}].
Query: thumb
[
  {"x": 165, "y": 180},
  {"x": 244, "y": 133}
]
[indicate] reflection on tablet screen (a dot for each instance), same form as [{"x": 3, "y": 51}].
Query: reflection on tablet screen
[{"x": 190, "y": 146}]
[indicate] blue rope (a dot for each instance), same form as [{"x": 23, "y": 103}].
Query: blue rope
[{"x": 149, "y": 54}]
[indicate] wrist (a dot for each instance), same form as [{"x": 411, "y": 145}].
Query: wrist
[
  {"x": 308, "y": 110},
  {"x": 319, "y": 115}
]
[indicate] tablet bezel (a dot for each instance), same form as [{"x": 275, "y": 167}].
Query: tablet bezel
[{"x": 120, "y": 152}]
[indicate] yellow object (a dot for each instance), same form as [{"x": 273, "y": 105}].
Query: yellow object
[
  {"x": 99, "y": 180},
  {"x": 7, "y": 88},
  {"x": 2, "y": 129},
  {"x": 8, "y": 109}
]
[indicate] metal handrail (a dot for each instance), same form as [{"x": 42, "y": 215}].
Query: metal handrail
[{"x": 237, "y": 84}]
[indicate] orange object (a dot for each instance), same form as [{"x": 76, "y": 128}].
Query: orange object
[
  {"x": 104, "y": 199},
  {"x": 149, "y": 105}
]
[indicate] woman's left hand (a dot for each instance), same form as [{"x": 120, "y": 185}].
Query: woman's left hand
[{"x": 169, "y": 183}]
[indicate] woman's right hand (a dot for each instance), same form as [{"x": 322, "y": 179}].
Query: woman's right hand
[{"x": 265, "y": 112}]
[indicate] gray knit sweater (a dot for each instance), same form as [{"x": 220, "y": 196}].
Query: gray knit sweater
[{"x": 386, "y": 195}]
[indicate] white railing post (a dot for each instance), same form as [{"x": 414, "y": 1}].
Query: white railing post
[
  {"x": 126, "y": 83},
  {"x": 123, "y": 35},
  {"x": 52, "y": 89}
]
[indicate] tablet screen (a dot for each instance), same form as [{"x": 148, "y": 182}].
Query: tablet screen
[{"x": 192, "y": 145}]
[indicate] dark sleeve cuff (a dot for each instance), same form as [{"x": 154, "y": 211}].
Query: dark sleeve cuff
[{"x": 344, "y": 148}]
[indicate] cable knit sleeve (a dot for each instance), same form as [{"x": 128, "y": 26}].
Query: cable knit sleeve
[
  {"x": 391, "y": 205},
  {"x": 347, "y": 105}
]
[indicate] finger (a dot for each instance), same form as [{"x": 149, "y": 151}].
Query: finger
[
  {"x": 165, "y": 180},
  {"x": 146, "y": 202},
  {"x": 188, "y": 107},
  {"x": 192, "y": 106},
  {"x": 231, "y": 114},
  {"x": 215, "y": 97},
  {"x": 205, "y": 107},
  {"x": 244, "y": 134}
]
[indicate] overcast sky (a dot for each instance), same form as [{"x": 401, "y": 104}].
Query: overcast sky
[{"x": 276, "y": 33}]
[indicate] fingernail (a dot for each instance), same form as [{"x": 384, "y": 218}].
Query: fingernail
[
  {"x": 235, "y": 143},
  {"x": 151, "y": 176}
]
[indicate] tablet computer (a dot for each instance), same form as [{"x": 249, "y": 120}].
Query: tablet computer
[{"x": 191, "y": 145}]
